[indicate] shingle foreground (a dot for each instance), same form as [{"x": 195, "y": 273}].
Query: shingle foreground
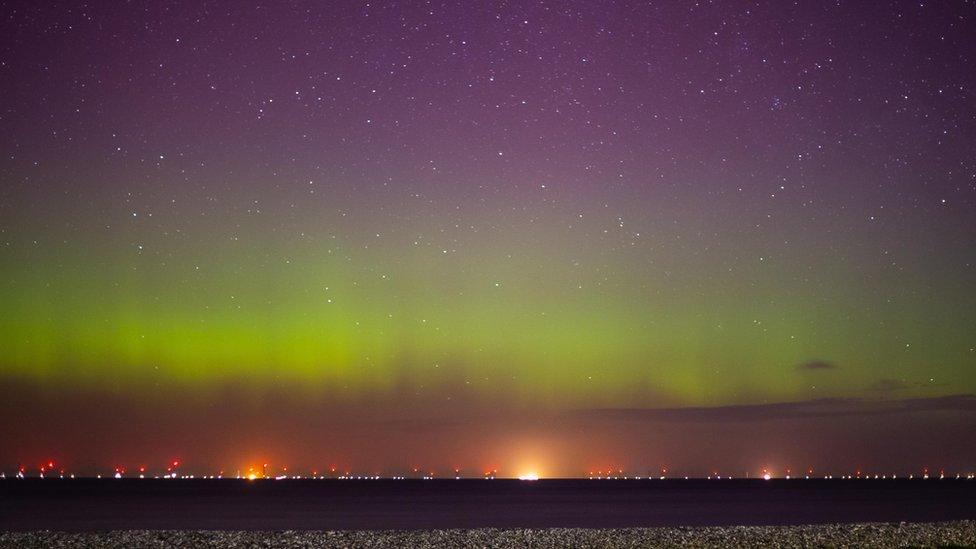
[{"x": 944, "y": 534}]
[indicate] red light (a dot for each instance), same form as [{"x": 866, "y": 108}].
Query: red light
[{"x": 50, "y": 465}]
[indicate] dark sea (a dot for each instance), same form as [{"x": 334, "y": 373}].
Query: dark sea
[{"x": 129, "y": 504}]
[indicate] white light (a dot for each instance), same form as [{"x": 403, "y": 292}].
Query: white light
[
  {"x": 531, "y": 475},
  {"x": 766, "y": 476}
]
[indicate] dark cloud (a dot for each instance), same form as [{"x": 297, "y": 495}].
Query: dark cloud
[
  {"x": 817, "y": 365},
  {"x": 788, "y": 410}
]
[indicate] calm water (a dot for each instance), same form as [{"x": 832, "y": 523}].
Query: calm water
[{"x": 410, "y": 504}]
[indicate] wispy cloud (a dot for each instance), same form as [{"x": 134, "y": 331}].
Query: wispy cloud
[
  {"x": 888, "y": 385},
  {"x": 817, "y": 365}
]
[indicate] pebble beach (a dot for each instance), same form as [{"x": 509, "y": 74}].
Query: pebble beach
[{"x": 940, "y": 534}]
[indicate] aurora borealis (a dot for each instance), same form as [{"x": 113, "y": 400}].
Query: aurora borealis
[{"x": 387, "y": 233}]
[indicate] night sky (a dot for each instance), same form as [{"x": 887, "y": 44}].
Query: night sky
[{"x": 557, "y": 236}]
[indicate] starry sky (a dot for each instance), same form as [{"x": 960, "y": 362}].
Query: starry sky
[{"x": 481, "y": 234}]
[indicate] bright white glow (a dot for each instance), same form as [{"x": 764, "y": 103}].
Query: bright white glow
[
  {"x": 531, "y": 475},
  {"x": 766, "y": 476}
]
